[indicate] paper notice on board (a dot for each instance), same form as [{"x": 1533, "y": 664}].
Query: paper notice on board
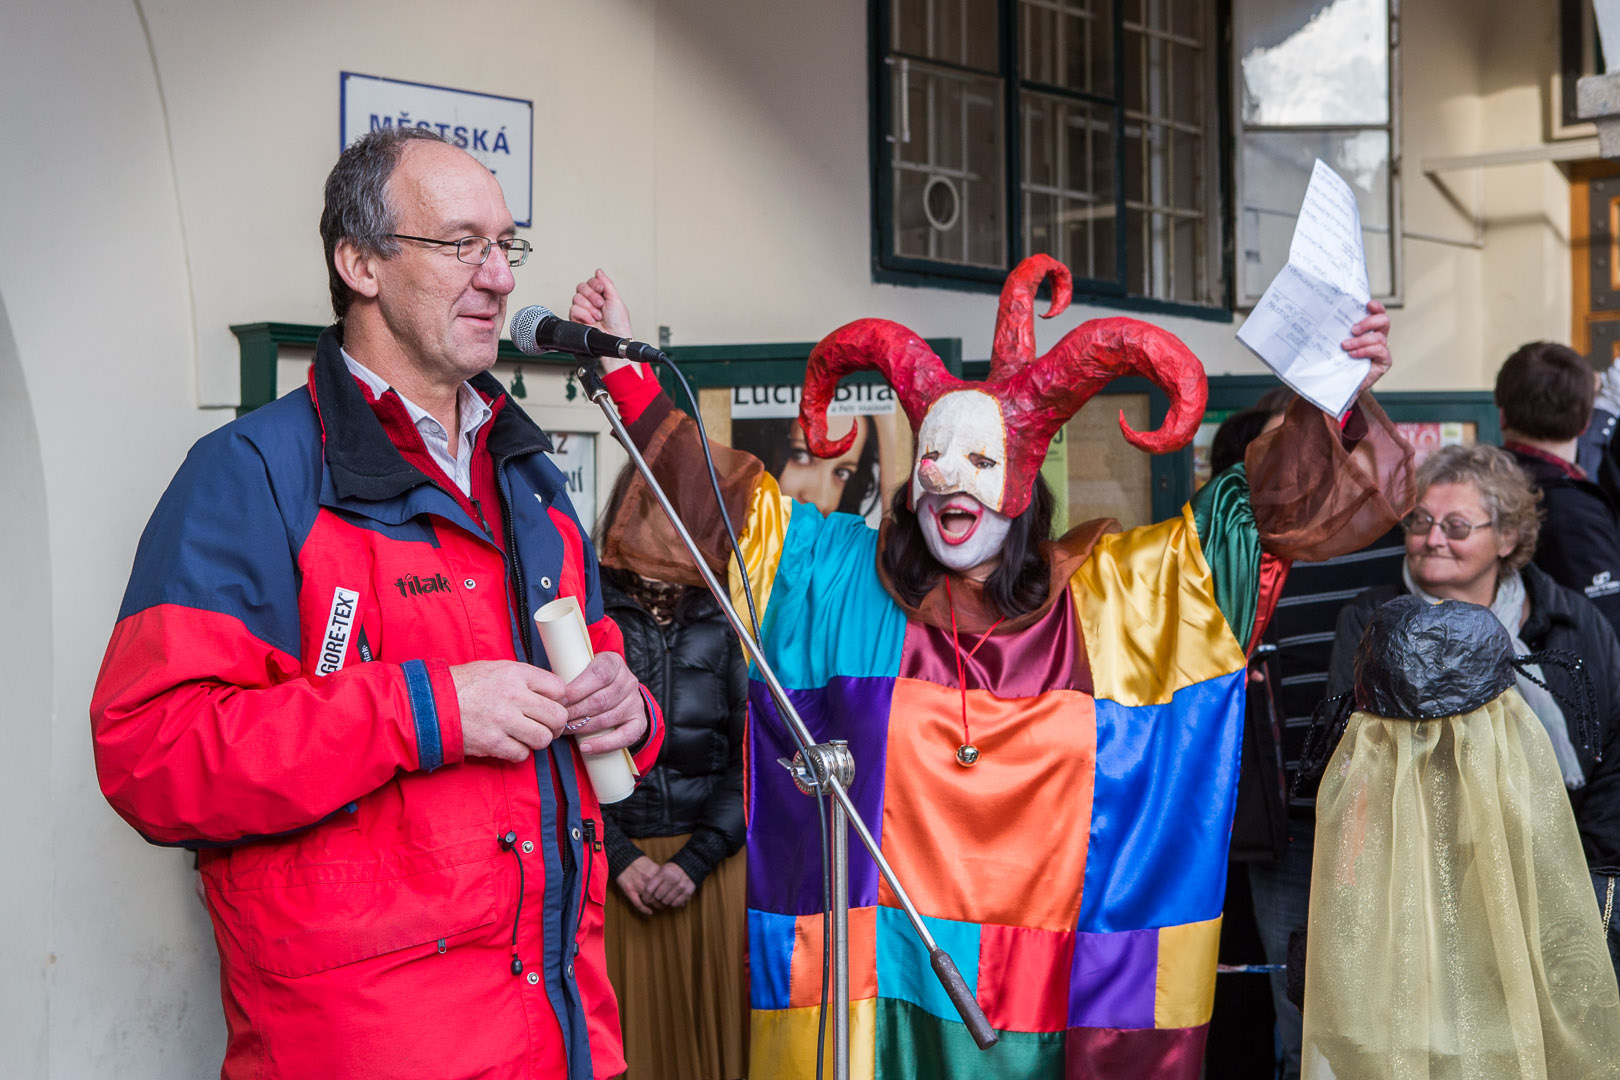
[{"x": 1309, "y": 307}]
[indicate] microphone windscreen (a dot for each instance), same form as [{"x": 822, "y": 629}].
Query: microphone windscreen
[{"x": 525, "y": 324}]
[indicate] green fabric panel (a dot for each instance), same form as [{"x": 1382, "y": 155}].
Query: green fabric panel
[
  {"x": 1224, "y": 518},
  {"x": 911, "y": 1043}
]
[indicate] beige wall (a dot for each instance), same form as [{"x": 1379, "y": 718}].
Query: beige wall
[{"x": 162, "y": 181}]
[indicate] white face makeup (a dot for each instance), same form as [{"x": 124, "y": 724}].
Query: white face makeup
[
  {"x": 962, "y": 449},
  {"x": 960, "y": 531}
]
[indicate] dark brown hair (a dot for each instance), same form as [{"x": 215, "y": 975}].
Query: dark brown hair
[
  {"x": 1016, "y": 587},
  {"x": 1545, "y": 391}
]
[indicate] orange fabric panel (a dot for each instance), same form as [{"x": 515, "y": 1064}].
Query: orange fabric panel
[
  {"x": 1024, "y": 977},
  {"x": 804, "y": 979},
  {"x": 1001, "y": 842}
]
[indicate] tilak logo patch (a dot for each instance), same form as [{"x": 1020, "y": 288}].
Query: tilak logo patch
[
  {"x": 416, "y": 585},
  {"x": 339, "y": 625}
]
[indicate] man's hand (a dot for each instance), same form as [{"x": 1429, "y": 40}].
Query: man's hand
[
  {"x": 633, "y": 881},
  {"x": 597, "y": 303},
  {"x": 1370, "y": 341},
  {"x": 670, "y": 887},
  {"x": 508, "y": 709},
  {"x": 604, "y": 705}
]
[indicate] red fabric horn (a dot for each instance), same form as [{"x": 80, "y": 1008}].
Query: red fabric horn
[
  {"x": 1039, "y": 398},
  {"x": 1014, "y": 344},
  {"x": 905, "y": 360}
]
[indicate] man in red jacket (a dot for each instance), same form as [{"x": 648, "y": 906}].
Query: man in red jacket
[{"x": 325, "y": 676}]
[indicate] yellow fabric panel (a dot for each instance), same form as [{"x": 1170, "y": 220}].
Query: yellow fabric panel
[
  {"x": 763, "y": 535},
  {"x": 782, "y": 1042},
  {"x": 1146, "y": 602},
  {"x": 1185, "y": 994}
]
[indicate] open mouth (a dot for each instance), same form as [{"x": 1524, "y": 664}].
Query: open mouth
[{"x": 956, "y": 523}]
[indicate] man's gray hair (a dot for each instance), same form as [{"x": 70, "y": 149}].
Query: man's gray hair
[{"x": 357, "y": 201}]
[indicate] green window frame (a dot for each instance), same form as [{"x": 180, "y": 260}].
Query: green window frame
[{"x": 1086, "y": 172}]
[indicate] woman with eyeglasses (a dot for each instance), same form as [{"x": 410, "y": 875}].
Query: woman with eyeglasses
[{"x": 1470, "y": 537}]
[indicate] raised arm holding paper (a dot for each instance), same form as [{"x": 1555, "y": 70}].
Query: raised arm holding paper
[{"x": 1316, "y": 325}]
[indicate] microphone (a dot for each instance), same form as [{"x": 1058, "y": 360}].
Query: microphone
[{"x": 536, "y": 329}]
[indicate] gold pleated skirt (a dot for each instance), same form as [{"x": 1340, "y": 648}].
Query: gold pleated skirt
[{"x": 682, "y": 976}]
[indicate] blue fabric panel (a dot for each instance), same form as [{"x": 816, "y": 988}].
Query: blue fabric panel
[
  {"x": 429, "y": 745},
  {"x": 828, "y": 613},
  {"x": 770, "y": 959},
  {"x": 256, "y": 478},
  {"x": 904, "y": 969},
  {"x": 1161, "y": 808}
]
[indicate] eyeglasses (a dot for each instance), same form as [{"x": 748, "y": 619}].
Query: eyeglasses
[
  {"x": 473, "y": 250},
  {"x": 1418, "y": 523}
]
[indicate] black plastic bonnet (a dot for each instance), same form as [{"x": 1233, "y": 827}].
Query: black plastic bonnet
[{"x": 1422, "y": 661}]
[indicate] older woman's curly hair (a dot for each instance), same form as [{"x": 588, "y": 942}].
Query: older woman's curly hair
[{"x": 1503, "y": 487}]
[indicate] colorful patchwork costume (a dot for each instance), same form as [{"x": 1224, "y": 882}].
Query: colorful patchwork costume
[{"x": 1076, "y": 871}]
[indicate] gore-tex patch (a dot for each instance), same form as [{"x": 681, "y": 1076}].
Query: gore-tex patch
[{"x": 339, "y": 625}]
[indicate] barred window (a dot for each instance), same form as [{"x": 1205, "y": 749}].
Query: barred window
[{"x": 1082, "y": 129}]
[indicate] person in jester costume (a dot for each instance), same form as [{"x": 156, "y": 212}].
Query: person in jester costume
[{"x": 1045, "y": 732}]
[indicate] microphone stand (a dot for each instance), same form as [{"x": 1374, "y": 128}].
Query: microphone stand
[{"x": 830, "y": 769}]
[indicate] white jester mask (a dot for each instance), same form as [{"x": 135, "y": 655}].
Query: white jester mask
[{"x": 962, "y": 449}]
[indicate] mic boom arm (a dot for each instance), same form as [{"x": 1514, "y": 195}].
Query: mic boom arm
[{"x": 829, "y": 767}]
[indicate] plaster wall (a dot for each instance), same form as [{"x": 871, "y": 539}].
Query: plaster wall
[
  {"x": 100, "y": 380},
  {"x": 164, "y": 183}
]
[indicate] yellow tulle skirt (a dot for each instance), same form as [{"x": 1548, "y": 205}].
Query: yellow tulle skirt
[{"x": 1454, "y": 931}]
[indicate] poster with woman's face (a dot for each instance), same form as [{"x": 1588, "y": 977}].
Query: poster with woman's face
[{"x": 860, "y": 481}]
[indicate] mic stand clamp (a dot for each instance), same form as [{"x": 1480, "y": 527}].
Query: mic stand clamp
[{"x": 830, "y": 768}]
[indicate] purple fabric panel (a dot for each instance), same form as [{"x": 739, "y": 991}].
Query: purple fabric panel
[
  {"x": 1047, "y": 655},
  {"x": 784, "y": 860},
  {"x": 1112, "y": 982}
]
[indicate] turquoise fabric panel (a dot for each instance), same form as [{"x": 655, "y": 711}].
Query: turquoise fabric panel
[
  {"x": 904, "y": 969},
  {"x": 829, "y": 615}
]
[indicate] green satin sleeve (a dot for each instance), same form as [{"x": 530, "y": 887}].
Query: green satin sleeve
[{"x": 1230, "y": 539}]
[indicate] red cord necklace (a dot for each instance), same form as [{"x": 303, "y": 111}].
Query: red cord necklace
[{"x": 967, "y": 755}]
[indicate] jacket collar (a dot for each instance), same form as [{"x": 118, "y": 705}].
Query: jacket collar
[
  {"x": 360, "y": 459},
  {"x": 1542, "y": 465}
]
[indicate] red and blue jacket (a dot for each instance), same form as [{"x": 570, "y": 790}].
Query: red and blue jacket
[{"x": 277, "y": 695}]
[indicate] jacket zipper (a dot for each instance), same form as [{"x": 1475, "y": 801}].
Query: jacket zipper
[{"x": 592, "y": 845}]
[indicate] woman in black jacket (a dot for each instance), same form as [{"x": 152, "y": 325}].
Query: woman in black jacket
[
  {"x": 1471, "y": 537},
  {"x": 677, "y": 920},
  {"x": 677, "y": 924}
]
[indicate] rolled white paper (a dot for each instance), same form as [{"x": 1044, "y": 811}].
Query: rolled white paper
[{"x": 567, "y": 643}]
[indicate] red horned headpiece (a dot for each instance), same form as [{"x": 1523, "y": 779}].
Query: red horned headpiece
[{"x": 1036, "y": 395}]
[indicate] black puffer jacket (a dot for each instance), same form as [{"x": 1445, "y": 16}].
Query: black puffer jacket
[
  {"x": 694, "y": 668},
  {"x": 1560, "y": 618}
]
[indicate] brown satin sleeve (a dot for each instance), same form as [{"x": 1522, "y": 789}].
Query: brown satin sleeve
[
  {"x": 1320, "y": 491},
  {"x": 640, "y": 537}
]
